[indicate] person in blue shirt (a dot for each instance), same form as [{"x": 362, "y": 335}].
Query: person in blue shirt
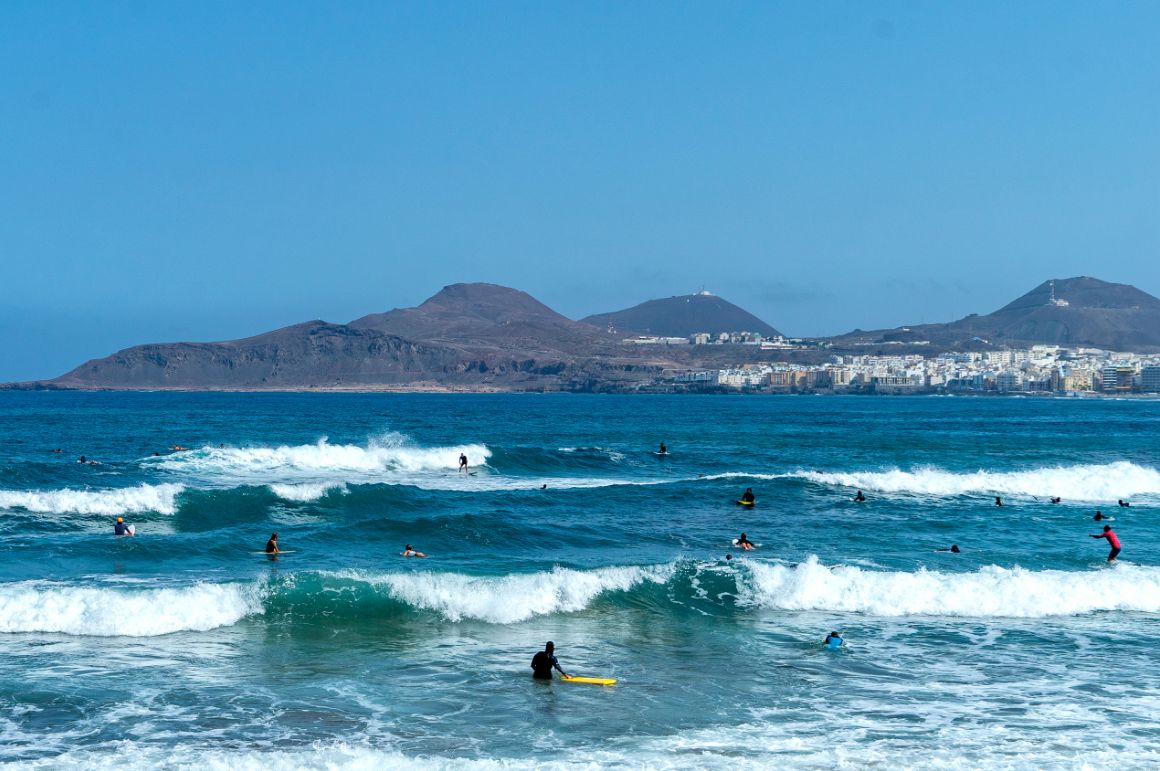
[
  {"x": 833, "y": 640},
  {"x": 121, "y": 528}
]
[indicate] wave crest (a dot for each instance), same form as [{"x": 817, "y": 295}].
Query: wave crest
[
  {"x": 989, "y": 592},
  {"x": 36, "y": 606},
  {"x": 1095, "y": 482},
  {"x": 159, "y": 498}
]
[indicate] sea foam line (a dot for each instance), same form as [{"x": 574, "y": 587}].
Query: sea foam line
[
  {"x": 990, "y": 592},
  {"x": 38, "y": 606},
  {"x": 1082, "y": 482},
  {"x": 126, "y": 500}
]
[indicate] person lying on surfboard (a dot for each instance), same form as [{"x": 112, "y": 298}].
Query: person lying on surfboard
[
  {"x": 745, "y": 543},
  {"x": 409, "y": 552},
  {"x": 544, "y": 661}
]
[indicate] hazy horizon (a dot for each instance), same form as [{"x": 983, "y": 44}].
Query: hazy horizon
[{"x": 200, "y": 172}]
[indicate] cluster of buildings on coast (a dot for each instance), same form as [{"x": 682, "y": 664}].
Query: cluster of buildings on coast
[{"x": 1038, "y": 370}]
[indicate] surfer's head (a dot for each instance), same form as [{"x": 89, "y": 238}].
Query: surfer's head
[
  {"x": 1107, "y": 528},
  {"x": 550, "y": 646}
]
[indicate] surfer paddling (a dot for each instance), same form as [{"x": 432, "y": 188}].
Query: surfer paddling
[
  {"x": 409, "y": 552},
  {"x": 745, "y": 543}
]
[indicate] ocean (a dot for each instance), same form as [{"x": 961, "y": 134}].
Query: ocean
[{"x": 186, "y": 647}]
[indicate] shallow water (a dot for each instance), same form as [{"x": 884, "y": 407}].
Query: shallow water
[{"x": 185, "y": 647}]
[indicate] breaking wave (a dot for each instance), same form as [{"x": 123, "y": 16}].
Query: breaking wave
[
  {"x": 307, "y": 491},
  {"x": 390, "y": 454},
  {"x": 680, "y": 587},
  {"x": 127, "y": 500},
  {"x": 1099, "y": 482},
  {"x": 989, "y": 592},
  {"x": 104, "y": 611}
]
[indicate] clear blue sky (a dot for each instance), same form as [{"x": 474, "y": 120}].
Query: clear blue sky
[{"x": 204, "y": 171}]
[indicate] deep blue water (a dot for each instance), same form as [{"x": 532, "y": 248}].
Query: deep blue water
[{"x": 184, "y": 646}]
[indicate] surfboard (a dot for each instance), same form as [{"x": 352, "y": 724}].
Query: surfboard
[
  {"x": 590, "y": 680},
  {"x": 660, "y": 454},
  {"x": 746, "y": 503},
  {"x": 274, "y": 554}
]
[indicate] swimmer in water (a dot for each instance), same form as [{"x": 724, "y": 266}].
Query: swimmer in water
[
  {"x": 859, "y": 498},
  {"x": 409, "y": 552},
  {"x": 954, "y": 549}
]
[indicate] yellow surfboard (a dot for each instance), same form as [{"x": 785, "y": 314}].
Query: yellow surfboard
[{"x": 591, "y": 680}]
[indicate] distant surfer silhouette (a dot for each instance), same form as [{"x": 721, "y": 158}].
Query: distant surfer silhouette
[
  {"x": 954, "y": 549},
  {"x": 663, "y": 450},
  {"x": 998, "y": 501},
  {"x": 859, "y": 497},
  {"x": 462, "y": 461}
]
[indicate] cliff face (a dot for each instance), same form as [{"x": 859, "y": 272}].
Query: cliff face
[{"x": 1073, "y": 312}]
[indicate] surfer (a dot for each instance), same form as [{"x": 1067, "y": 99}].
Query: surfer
[
  {"x": 463, "y": 461},
  {"x": 82, "y": 459},
  {"x": 954, "y": 549},
  {"x": 121, "y": 528},
  {"x": 748, "y": 496},
  {"x": 1055, "y": 499},
  {"x": 544, "y": 661},
  {"x": 664, "y": 450},
  {"x": 833, "y": 640},
  {"x": 998, "y": 501},
  {"x": 1115, "y": 542},
  {"x": 859, "y": 498},
  {"x": 1100, "y": 515},
  {"x": 745, "y": 543},
  {"x": 1123, "y": 504},
  {"x": 272, "y": 544},
  {"x": 409, "y": 552},
  {"x": 179, "y": 448}
]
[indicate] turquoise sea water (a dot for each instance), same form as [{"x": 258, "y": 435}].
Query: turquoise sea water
[{"x": 186, "y": 648}]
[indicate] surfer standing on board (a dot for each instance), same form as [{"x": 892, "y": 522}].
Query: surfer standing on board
[
  {"x": 544, "y": 661},
  {"x": 463, "y": 461},
  {"x": 1115, "y": 542}
]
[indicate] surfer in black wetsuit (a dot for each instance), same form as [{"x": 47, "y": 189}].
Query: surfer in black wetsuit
[
  {"x": 859, "y": 497},
  {"x": 120, "y": 528},
  {"x": 953, "y": 549},
  {"x": 463, "y": 461},
  {"x": 748, "y": 496},
  {"x": 745, "y": 543},
  {"x": 998, "y": 501},
  {"x": 544, "y": 661},
  {"x": 664, "y": 450},
  {"x": 1123, "y": 504},
  {"x": 1100, "y": 515},
  {"x": 272, "y": 544}
]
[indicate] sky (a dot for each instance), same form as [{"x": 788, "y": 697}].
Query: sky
[{"x": 212, "y": 170}]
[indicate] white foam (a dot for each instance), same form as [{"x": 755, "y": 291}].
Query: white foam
[
  {"x": 386, "y": 456},
  {"x": 126, "y": 500},
  {"x": 306, "y": 491},
  {"x": 989, "y": 592},
  {"x": 1095, "y": 482},
  {"x": 512, "y": 598},
  {"x": 37, "y": 606}
]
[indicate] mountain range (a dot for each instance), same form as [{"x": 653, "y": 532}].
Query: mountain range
[{"x": 489, "y": 337}]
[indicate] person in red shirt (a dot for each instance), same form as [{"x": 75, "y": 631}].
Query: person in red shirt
[{"x": 1115, "y": 542}]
